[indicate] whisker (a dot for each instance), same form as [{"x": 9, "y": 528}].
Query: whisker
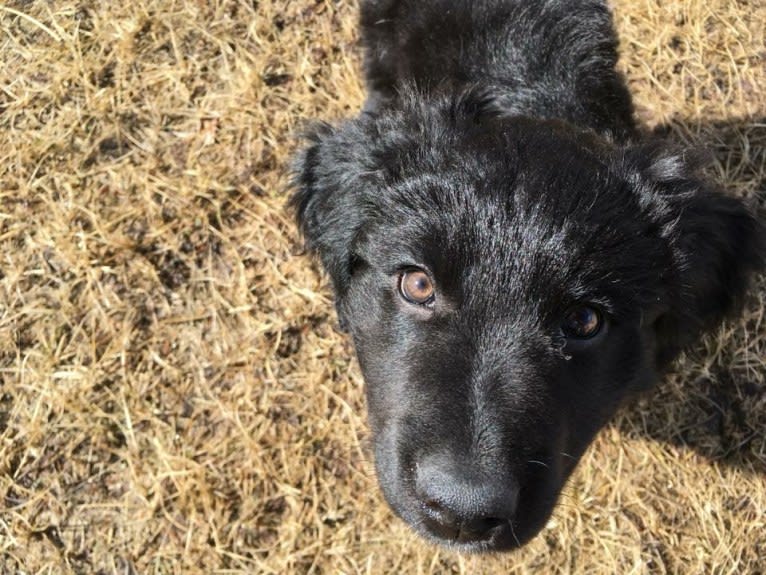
[{"x": 513, "y": 532}]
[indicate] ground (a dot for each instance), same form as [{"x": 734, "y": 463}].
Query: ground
[{"x": 176, "y": 397}]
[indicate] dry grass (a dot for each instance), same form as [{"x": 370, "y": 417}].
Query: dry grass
[{"x": 175, "y": 397}]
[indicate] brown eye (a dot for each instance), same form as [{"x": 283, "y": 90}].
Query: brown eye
[
  {"x": 416, "y": 287},
  {"x": 581, "y": 322}
]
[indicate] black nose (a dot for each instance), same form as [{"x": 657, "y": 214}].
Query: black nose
[{"x": 461, "y": 503}]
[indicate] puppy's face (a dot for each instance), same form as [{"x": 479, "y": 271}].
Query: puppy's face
[{"x": 507, "y": 283}]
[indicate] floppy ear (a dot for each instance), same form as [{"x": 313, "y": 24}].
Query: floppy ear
[
  {"x": 341, "y": 170},
  {"x": 716, "y": 241},
  {"x": 332, "y": 178}
]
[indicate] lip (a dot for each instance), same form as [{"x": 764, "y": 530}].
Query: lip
[
  {"x": 505, "y": 537},
  {"x": 500, "y": 538}
]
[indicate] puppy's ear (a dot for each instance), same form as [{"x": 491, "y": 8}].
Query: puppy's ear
[
  {"x": 331, "y": 178},
  {"x": 716, "y": 242}
]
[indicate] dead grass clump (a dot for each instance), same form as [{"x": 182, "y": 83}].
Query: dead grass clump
[{"x": 175, "y": 397}]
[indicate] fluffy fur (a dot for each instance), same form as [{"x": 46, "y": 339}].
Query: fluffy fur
[{"x": 497, "y": 152}]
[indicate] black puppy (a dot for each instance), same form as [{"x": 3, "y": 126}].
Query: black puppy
[{"x": 511, "y": 259}]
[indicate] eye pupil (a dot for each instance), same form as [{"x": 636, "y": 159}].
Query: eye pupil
[
  {"x": 415, "y": 286},
  {"x": 581, "y": 322}
]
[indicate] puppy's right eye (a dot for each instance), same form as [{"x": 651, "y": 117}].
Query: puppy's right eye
[{"x": 416, "y": 287}]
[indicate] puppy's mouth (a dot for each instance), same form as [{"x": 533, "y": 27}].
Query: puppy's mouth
[{"x": 486, "y": 535}]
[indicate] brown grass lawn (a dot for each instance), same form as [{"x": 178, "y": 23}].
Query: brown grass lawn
[{"x": 175, "y": 395}]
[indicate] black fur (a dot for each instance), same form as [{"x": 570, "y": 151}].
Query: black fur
[{"x": 497, "y": 151}]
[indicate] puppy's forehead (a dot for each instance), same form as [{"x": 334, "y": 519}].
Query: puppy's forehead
[
  {"x": 501, "y": 213},
  {"x": 579, "y": 234},
  {"x": 522, "y": 203}
]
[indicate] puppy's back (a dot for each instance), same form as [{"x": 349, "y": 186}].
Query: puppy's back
[{"x": 542, "y": 58}]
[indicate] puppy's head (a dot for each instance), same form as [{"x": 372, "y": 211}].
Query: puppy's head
[{"x": 507, "y": 283}]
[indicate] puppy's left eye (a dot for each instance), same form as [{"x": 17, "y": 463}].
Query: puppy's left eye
[
  {"x": 416, "y": 287},
  {"x": 581, "y": 322}
]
